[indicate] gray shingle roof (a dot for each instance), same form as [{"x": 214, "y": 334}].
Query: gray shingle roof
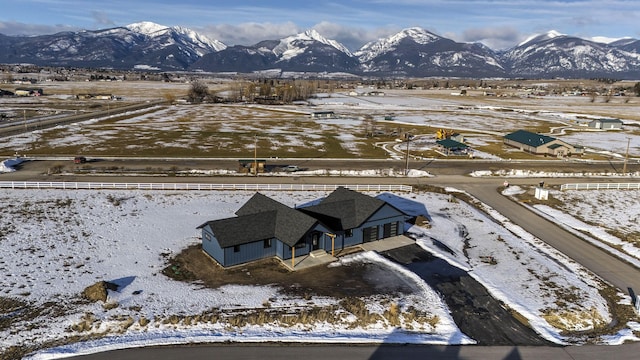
[
  {"x": 243, "y": 229},
  {"x": 344, "y": 209},
  {"x": 259, "y": 203},
  {"x": 529, "y": 138},
  {"x": 262, "y": 218}
]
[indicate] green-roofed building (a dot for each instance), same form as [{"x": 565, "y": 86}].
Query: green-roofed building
[
  {"x": 539, "y": 144},
  {"x": 452, "y": 147}
]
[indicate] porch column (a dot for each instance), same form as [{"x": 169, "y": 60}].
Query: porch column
[
  {"x": 293, "y": 256},
  {"x": 333, "y": 241}
]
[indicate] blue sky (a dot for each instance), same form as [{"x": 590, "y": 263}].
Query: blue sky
[{"x": 498, "y": 24}]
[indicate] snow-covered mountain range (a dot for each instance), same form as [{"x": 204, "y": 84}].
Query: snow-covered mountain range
[{"x": 410, "y": 52}]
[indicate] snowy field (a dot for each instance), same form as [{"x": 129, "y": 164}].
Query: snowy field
[
  {"x": 55, "y": 243},
  {"x": 608, "y": 218},
  {"x": 289, "y": 131}
]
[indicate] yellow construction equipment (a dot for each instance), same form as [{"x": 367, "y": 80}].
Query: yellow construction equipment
[{"x": 442, "y": 134}]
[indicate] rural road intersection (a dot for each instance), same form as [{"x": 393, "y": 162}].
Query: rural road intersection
[{"x": 610, "y": 268}]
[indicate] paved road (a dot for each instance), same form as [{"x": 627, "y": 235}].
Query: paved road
[
  {"x": 616, "y": 271},
  {"x": 372, "y": 352},
  {"x": 608, "y": 267},
  {"x": 49, "y": 122}
]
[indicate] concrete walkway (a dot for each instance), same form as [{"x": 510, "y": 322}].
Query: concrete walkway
[
  {"x": 314, "y": 258},
  {"x": 387, "y": 244},
  {"x": 321, "y": 257}
]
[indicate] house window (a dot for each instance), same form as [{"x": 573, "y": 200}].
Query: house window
[
  {"x": 267, "y": 243},
  {"x": 348, "y": 233},
  {"x": 236, "y": 248},
  {"x": 207, "y": 236},
  {"x": 301, "y": 245}
]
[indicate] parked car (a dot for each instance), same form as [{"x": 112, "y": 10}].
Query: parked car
[
  {"x": 79, "y": 160},
  {"x": 291, "y": 168}
]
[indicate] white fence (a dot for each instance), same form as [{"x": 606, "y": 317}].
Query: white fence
[
  {"x": 600, "y": 186},
  {"x": 187, "y": 186}
]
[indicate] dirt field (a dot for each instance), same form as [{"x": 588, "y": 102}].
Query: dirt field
[{"x": 341, "y": 281}]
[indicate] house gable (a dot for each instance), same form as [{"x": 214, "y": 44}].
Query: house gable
[
  {"x": 243, "y": 229},
  {"x": 344, "y": 209}
]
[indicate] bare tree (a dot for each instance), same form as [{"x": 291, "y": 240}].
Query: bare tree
[{"x": 198, "y": 92}]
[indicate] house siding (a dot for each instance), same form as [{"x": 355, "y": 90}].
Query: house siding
[
  {"x": 606, "y": 124},
  {"x": 300, "y": 251},
  {"x": 211, "y": 246},
  {"x": 353, "y": 240},
  {"x": 249, "y": 252},
  {"x": 522, "y": 147},
  {"x": 385, "y": 215},
  {"x": 545, "y": 149}
]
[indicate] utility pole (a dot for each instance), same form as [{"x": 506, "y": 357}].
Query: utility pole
[
  {"x": 626, "y": 157},
  {"x": 406, "y": 162},
  {"x": 255, "y": 154}
]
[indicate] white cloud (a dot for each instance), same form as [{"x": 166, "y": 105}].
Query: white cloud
[
  {"x": 353, "y": 37},
  {"x": 493, "y": 37},
  {"x": 101, "y": 18},
  {"x": 18, "y": 28},
  {"x": 249, "y": 33}
]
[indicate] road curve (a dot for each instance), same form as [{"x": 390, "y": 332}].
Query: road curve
[{"x": 610, "y": 268}]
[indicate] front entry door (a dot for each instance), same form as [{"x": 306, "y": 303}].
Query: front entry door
[{"x": 315, "y": 241}]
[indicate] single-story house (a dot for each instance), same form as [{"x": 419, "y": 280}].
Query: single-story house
[
  {"x": 262, "y": 228},
  {"x": 450, "y": 146},
  {"x": 29, "y": 92},
  {"x": 355, "y": 218},
  {"x": 606, "y": 124},
  {"x": 323, "y": 114},
  {"x": 539, "y": 144},
  {"x": 266, "y": 228}
]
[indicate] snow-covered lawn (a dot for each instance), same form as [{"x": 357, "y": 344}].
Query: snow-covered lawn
[
  {"x": 610, "y": 217},
  {"x": 55, "y": 243}
]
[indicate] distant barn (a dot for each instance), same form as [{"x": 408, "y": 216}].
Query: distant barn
[
  {"x": 539, "y": 144},
  {"x": 606, "y": 124},
  {"x": 323, "y": 115}
]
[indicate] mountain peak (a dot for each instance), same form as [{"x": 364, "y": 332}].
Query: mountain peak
[
  {"x": 419, "y": 35},
  {"x": 375, "y": 48},
  {"x": 552, "y": 34},
  {"x": 314, "y": 34},
  {"x": 290, "y": 45},
  {"x": 146, "y": 27}
]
